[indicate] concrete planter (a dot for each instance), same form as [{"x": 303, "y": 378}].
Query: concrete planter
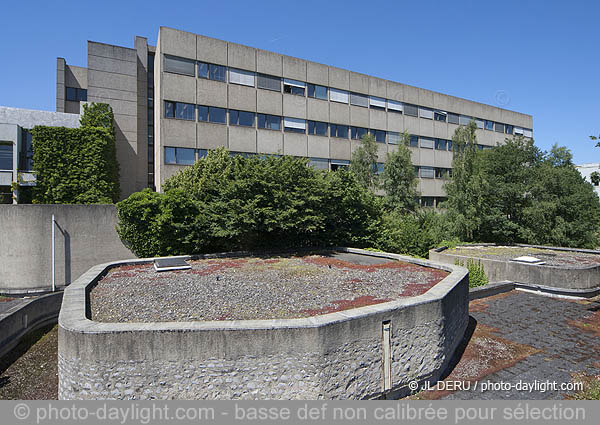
[{"x": 332, "y": 356}]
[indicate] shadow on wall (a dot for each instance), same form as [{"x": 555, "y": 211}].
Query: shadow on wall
[{"x": 67, "y": 252}]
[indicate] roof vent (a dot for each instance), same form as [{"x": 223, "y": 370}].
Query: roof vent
[{"x": 166, "y": 264}]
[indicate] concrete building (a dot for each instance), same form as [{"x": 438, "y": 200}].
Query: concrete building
[
  {"x": 191, "y": 93},
  {"x": 16, "y": 154},
  {"x": 586, "y": 171}
]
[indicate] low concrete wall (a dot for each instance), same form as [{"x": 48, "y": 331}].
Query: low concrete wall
[
  {"x": 545, "y": 275},
  {"x": 332, "y": 356},
  {"x": 27, "y": 317},
  {"x": 85, "y": 236}
]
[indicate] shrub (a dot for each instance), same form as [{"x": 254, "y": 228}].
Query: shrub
[
  {"x": 225, "y": 202},
  {"x": 477, "y": 276}
]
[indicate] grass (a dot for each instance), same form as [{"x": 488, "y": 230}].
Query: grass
[{"x": 591, "y": 388}]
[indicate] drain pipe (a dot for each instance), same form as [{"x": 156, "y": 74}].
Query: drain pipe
[{"x": 53, "y": 255}]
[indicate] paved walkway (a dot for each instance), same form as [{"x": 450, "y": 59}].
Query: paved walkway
[{"x": 566, "y": 333}]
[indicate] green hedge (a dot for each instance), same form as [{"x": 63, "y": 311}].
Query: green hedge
[
  {"x": 74, "y": 165},
  {"x": 225, "y": 203}
]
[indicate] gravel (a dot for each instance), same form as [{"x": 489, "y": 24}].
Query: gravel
[
  {"x": 566, "y": 259},
  {"x": 254, "y": 288}
]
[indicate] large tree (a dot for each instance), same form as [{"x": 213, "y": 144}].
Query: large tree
[
  {"x": 398, "y": 179},
  {"x": 466, "y": 189},
  {"x": 364, "y": 163}
]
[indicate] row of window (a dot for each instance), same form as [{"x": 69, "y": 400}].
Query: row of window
[
  {"x": 186, "y": 111},
  {"x": 74, "y": 94},
  {"x": 187, "y": 156},
  {"x": 268, "y": 82}
]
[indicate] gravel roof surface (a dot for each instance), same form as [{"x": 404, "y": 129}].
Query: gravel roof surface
[
  {"x": 254, "y": 288},
  {"x": 565, "y": 259}
]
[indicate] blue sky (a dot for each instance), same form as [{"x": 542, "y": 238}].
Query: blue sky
[{"x": 536, "y": 57}]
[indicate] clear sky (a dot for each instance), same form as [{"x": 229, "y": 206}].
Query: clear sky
[{"x": 537, "y": 57}]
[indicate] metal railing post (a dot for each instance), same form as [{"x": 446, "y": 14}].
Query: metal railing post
[{"x": 53, "y": 256}]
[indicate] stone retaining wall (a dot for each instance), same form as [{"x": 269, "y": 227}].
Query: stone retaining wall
[{"x": 332, "y": 356}]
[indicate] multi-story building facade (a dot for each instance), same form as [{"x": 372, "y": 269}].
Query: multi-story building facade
[
  {"x": 190, "y": 93},
  {"x": 586, "y": 171}
]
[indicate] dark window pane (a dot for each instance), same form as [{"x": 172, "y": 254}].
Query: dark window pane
[
  {"x": 440, "y": 144},
  {"x": 317, "y": 128},
  {"x": 262, "y": 121},
  {"x": 82, "y": 95},
  {"x": 169, "y": 155},
  {"x": 273, "y": 122},
  {"x": 508, "y": 129},
  {"x": 203, "y": 70},
  {"x": 359, "y": 100},
  {"x": 185, "y": 156},
  {"x": 268, "y": 82},
  {"x": 489, "y": 125},
  {"x": 246, "y": 119},
  {"x": 203, "y": 113},
  {"x": 179, "y": 65},
  {"x": 184, "y": 111},
  {"x": 453, "y": 118},
  {"x": 233, "y": 117},
  {"x": 414, "y": 141},
  {"x": 439, "y": 116},
  {"x": 6, "y": 157},
  {"x": 71, "y": 94},
  {"x": 316, "y": 91},
  {"x": 169, "y": 109},
  {"x": 411, "y": 110},
  {"x": 217, "y": 115},
  {"x": 499, "y": 127},
  {"x": 202, "y": 153},
  {"x": 380, "y": 136},
  {"x": 217, "y": 72}
]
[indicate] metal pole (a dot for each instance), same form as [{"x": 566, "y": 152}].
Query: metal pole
[{"x": 53, "y": 256}]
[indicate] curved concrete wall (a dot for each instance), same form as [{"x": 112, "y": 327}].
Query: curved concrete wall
[
  {"x": 333, "y": 356},
  {"x": 85, "y": 236},
  {"x": 550, "y": 276}
]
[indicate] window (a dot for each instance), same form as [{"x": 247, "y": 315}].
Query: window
[
  {"x": 452, "y": 118},
  {"x": 76, "y": 95},
  {"x": 180, "y": 110},
  {"x": 426, "y": 113},
  {"x": 427, "y": 172},
  {"x": 416, "y": 169},
  {"x": 212, "y": 114},
  {"x": 203, "y": 70},
  {"x": 201, "y": 153},
  {"x": 479, "y": 147},
  {"x": 489, "y": 125},
  {"x": 379, "y": 135},
  {"x": 394, "y": 106},
  {"x": 339, "y": 131},
  {"x": 336, "y": 95},
  {"x": 441, "y": 173},
  {"x": 440, "y": 116},
  {"x": 518, "y": 130},
  {"x": 6, "y": 156},
  {"x": 181, "y": 156},
  {"x": 356, "y": 133},
  {"x": 319, "y": 163},
  {"x": 359, "y": 100},
  {"x": 239, "y": 76},
  {"x": 268, "y": 82},
  {"x": 440, "y": 144},
  {"x": 294, "y": 125},
  {"x": 499, "y": 127},
  {"x": 377, "y": 103},
  {"x": 241, "y": 118},
  {"x": 394, "y": 138},
  {"x": 294, "y": 87},
  {"x": 427, "y": 201},
  {"x": 270, "y": 122},
  {"x": 339, "y": 164},
  {"x": 411, "y": 110},
  {"x": 480, "y": 123},
  {"x": 379, "y": 168},
  {"x": 450, "y": 145},
  {"x": 427, "y": 143},
  {"x": 508, "y": 129},
  {"x": 527, "y": 132},
  {"x": 414, "y": 141},
  {"x": 318, "y": 92},
  {"x": 317, "y": 128},
  {"x": 179, "y": 65},
  {"x": 464, "y": 120},
  {"x": 26, "y": 154}
]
